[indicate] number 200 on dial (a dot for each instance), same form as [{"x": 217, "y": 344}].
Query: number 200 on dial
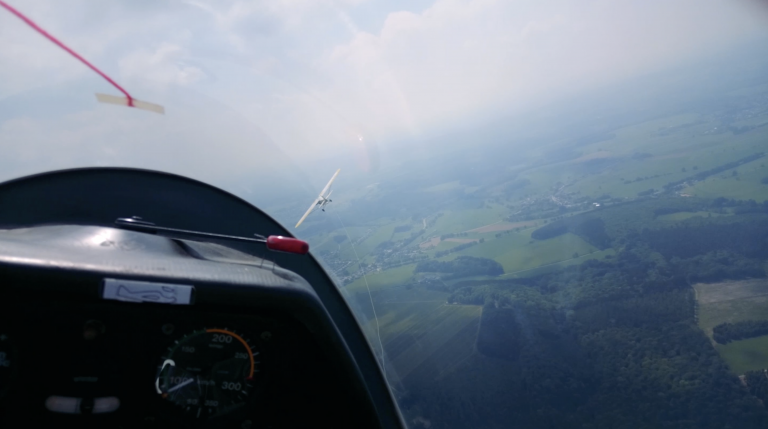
[{"x": 208, "y": 373}]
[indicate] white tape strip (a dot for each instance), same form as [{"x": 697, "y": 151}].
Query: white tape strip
[{"x": 123, "y": 101}]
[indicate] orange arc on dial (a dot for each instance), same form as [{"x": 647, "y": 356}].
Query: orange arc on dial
[{"x": 238, "y": 338}]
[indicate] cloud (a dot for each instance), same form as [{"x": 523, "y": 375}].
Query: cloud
[
  {"x": 542, "y": 27},
  {"x": 460, "y": 57},
  {"x": 163, "y": 66},
  {"x": 302, "y": 74}
]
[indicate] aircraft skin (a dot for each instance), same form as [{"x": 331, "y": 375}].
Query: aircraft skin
[{"x": 321, "y": 200}]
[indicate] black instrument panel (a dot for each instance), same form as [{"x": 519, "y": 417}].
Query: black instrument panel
[{"x": 98, "y": 363}]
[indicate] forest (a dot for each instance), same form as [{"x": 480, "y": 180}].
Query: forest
[
  {"x": 694, "y": 238},
  {"x": 613, "y": 343},
  {"x": 757, "y": 382},
  {"x": 724, "y": 333}
]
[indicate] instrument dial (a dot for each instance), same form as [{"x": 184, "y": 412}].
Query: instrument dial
[{"x": 208, "y": 373}]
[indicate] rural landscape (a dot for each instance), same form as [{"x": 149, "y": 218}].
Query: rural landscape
[{"x": 607, "y": 270}]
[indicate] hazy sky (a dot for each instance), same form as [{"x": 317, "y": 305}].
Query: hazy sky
[{"x": 315, "y": 76}]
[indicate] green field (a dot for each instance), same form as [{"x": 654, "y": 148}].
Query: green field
[
  {"x": 464, "y": 220},
  {"x": 745, "y": 355},
  {"x": 545, "y": 252},
  {"x": 517, "y": 252},
  {"x": 382, "y": 279},
  {"x": 422, "y": 335},
  {"x": 438, "y": 338},
  {"x": 543, "y": 269}
]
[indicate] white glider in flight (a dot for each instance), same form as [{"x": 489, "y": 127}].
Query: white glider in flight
[{"x": 322, "y": 200}]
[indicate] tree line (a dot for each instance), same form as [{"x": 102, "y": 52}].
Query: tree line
[
  {"x": 459, "y": 248},
  {"x": 724, "y": 333},
  {"x": 719, "y": 169},
  {"x": 757, "y": 383},
  {"x": 462, "y": 266}
]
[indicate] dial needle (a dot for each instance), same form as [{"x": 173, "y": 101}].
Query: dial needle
[
  {"x": 180, "y": 385},
  {"x": 157, "y": 382}
]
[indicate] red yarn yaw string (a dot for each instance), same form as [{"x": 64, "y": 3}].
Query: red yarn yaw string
[{"x": 66, "y": 48}]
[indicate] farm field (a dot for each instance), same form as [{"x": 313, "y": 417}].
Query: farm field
[
  {"x": 516, "y": 252},
  {"x": 459, "y": 221},
  {"x": 546, "y": 268},
  {"x": 440, "y": 338},
  {"x": 745, "y": 355},
  {"x": 731, "y": 301},
  {"x": 422, "y": 335},
  {"x": 383, "y": 279},
  {"x": 735, "y": 301}
]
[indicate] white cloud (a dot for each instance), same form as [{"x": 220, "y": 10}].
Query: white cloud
[
  {"x": 459, "y": 57},
  {"x": 304, "y": 72},
  {"x": 163, "y": 66}
]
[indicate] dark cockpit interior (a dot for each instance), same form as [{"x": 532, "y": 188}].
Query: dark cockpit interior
[{"x": 191, "y": 320}]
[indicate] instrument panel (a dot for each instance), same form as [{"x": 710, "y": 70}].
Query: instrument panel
[{"x": 153, "y": 365}]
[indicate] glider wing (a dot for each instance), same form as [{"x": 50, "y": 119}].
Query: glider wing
[
  {"x": 328, "y": 186},
  {"x": 312, "y": 207}
]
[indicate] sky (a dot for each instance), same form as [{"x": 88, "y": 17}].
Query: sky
[{"x": 251, "y": 87}]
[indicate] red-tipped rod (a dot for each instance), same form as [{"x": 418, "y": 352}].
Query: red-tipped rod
[{"x": 287, "y": 244}]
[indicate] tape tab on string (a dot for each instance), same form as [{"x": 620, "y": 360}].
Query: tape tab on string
[{"x": 125, "y": 101}]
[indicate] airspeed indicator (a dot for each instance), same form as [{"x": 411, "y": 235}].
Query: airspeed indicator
[{"x": 208, "y": 373}]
